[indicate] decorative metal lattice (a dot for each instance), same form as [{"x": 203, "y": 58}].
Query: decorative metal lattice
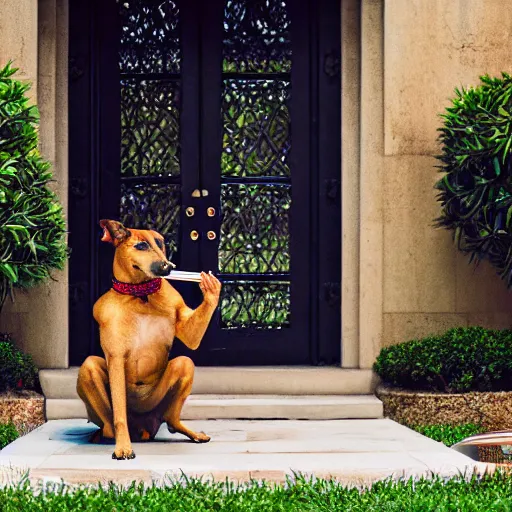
[
  {"x": 153, "y": 206},
  {"x": 256, "y": 128},
  {"x": 150, "y": 127},
  {"x": 256, "y": 36},
  {"x": 150, "y": 41},
  {"x": 260, "y": 305},
  {"x": 254, "y": 230}
]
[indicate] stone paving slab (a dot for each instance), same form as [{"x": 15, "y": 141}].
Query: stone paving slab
[{"x": 352, "y": 451}]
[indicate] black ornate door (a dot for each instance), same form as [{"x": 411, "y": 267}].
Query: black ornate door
[{"x": 217, "y": 124}]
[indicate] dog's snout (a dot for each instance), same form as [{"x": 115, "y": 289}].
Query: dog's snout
[
  {"x": 166, "y": 268},
  {"x": 161, "y": 268}
]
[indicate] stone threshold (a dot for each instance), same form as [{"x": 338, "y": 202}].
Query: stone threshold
[
  {"x": 253, "y": 380},
  {"x": 292, "y": 407}
]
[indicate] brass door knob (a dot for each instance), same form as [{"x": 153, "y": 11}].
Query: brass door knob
[
  {"x": 211, "y": 235},
  {"x": 194, "y": 235},
  {"x": 190, "y": 211},
  {"x": 210, "y": 211}
]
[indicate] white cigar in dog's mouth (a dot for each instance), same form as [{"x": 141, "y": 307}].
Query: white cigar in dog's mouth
[{"x": 183, "y": 275}]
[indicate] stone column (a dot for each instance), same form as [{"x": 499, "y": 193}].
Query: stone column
[{"x": 350, "y": 213}]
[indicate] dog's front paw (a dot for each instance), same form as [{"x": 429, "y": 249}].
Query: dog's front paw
[{"x": 123, "y": 453}]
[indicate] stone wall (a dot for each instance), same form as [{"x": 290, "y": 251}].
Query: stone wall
[
  {"x": 413, "y": 54},
  {"x": 34, "y": 35}
]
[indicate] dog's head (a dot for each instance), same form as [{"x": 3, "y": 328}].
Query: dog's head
[{"x": 139, "y": 252}]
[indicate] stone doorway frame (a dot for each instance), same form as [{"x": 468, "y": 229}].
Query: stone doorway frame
[{"x": 36, "y": 31}]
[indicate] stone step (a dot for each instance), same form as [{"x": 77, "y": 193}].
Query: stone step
[
  {"x": 280, "y": 380},
  {"x": 310, "y": 407}
]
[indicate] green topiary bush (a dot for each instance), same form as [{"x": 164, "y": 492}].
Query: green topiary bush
[
  {"x": 8, "y": 434},
  {"x": 476, "y": 191},
  {"x": 17, "y": 370},
  {"x": 461, "y": 360},
  {"x": 32, "y": 227}
]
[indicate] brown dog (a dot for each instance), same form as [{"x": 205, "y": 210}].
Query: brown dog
[{"x": 136, "y": 388}]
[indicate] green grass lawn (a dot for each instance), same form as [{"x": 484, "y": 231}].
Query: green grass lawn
[
  {"x": 489, "y": 493},
  {"x": 448, "y": 434},
  {"x": 8, "y": 434}
]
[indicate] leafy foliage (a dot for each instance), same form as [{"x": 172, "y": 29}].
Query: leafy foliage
[
  {"x": 8, "y": 434},
  {"x": 17, "y": 370},
  {"x": 491, "y": 492},
  {"x": 476, "y": 191},
  {"x": 461, "y": 360},
  {"x": 32, "y": 227},
  {"x": 448, "y": 434}
]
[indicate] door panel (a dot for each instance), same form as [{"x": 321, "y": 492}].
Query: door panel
[{"x": 258, "y": 179}]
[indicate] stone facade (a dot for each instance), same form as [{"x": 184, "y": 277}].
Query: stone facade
[
  {"x": 406, "y": 278},
  {"x": 401, "y": 61}
]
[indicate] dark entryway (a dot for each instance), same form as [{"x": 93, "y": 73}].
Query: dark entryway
[{"x": 218, "y": 124}]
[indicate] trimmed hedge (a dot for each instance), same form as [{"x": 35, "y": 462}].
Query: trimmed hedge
[
  {"x": 17, "y": 370},
  {"x": 461, "y": 360}
]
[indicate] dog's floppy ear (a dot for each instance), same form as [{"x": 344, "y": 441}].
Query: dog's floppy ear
[{"x": 114, "y": 232}]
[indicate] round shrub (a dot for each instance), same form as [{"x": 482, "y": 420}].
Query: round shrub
[
  {"x": 17, "y": 370},
  {"x": 476, "y": 191},
  {"x": 463, "y": 359},
  {"x": 32, "y": 227}
]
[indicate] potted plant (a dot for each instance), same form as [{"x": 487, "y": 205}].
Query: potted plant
[
  {"x": 32, "y": 234},
  {"x": 462, "y": 376}
]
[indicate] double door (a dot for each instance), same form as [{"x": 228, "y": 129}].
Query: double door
[{"x": 217, "y": 124}]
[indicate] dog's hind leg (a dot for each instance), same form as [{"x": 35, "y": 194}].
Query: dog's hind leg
[
  {"x": 170, "y": 395},
  {"x": 92, "y": 387},
  {"x": 184, "y": 367}
]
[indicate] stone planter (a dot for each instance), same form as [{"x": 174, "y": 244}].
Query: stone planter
[
  {"x": 491, "y": 410},
  {"x": 23, "y": 408}
]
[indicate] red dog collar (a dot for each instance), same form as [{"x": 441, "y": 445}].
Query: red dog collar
[{"x": 137, "y": 290}]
